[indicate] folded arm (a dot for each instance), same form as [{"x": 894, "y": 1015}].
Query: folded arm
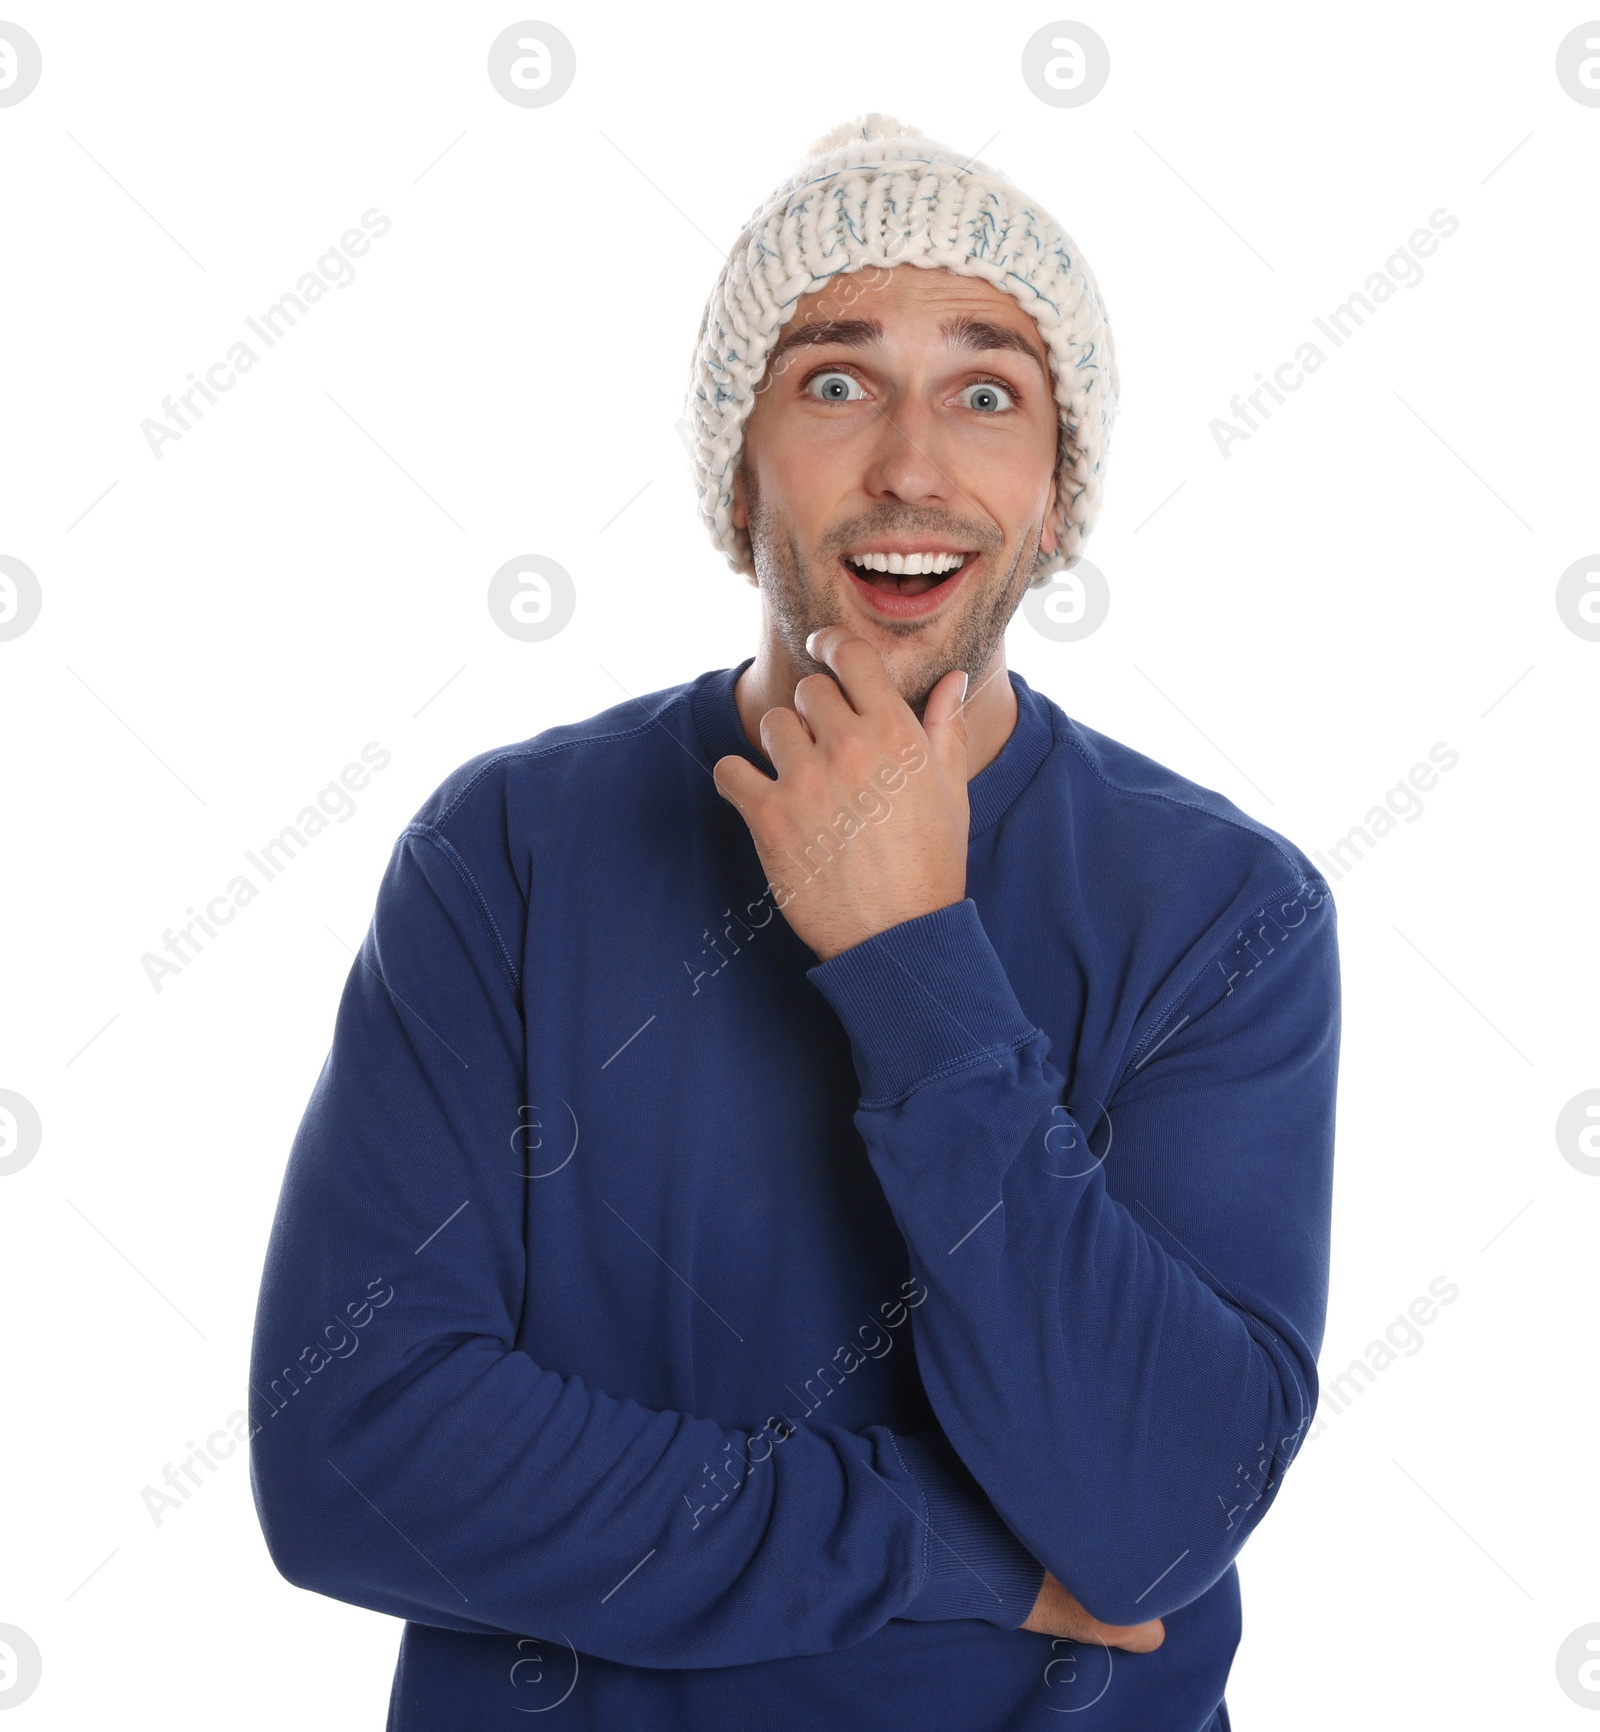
[
  {"x": 407, "y": 1457},
  {"x": 1127, "y": 1382}
]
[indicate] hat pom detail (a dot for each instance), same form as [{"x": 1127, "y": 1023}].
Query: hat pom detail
[{"x": 865, "y": 128}]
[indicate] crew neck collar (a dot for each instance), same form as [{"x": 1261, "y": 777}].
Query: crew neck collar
[{"x": 989, "y": 793}]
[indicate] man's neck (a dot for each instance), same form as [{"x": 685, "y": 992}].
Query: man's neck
[{"x": 991, "y": 705}]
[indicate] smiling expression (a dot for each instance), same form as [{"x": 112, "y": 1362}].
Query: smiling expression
[{"x": 898, "y": 470}]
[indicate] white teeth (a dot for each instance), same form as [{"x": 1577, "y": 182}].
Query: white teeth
[{"x": 907, "y": 565}]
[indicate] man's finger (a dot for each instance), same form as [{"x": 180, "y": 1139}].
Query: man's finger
[
  {"x": 785, "y": 739},
  {"x": 738, "y": 781},
  {"x": 944, "y": 721},
  {"x": 860, "y": 670},
  {"x": 821, "y": 705}
]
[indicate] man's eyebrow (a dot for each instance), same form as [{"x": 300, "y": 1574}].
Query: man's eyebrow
[
  {"x": 852, "y": 333},
  {"x": 963, "y": 331},
  {"x": 968, "y": 332}
]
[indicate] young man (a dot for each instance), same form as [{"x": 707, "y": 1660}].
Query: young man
[{"x": 817, "y": 1210}]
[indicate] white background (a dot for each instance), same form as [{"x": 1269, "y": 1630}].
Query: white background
[{"x": 1371, "y": 572}]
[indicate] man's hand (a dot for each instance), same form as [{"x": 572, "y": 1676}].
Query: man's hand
[
  {"x": 866, "y": 825},
  {"x": 1057, "y": 1613}
]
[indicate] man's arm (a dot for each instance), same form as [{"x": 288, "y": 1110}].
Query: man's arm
[
  {"x": 1127, "y": 1384},
  {"x": 405, "y": 1456}
]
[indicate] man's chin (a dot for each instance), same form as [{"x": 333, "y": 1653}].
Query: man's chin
[
  {"x": 915, "y": 683},
  {"x": 914, "y": 665},
  {"x": 916, "y": 654}
]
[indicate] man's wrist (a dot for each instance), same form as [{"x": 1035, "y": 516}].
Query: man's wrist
[
  {"x": 925, "y": 996},
  {"x": 976, "y": 1566},
  {"x": 829, "y": 952}
]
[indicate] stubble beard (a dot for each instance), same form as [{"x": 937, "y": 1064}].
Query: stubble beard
[{"x": 798, "y": 606}]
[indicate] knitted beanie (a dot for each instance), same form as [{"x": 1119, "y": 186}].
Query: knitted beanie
[{"x": 874, "y": 192}]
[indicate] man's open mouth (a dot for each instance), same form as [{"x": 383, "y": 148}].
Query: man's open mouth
[{"x": 907, "y": 573}]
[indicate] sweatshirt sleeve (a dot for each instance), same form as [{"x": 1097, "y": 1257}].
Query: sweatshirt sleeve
[
  {"x": 1128, "y": 1380},
  {"x": 407, "y": 1457}
]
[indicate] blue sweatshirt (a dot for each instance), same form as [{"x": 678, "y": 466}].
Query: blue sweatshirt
[{"x": 683, "y": 1335}]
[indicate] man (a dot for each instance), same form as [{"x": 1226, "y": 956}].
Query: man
[{"x": 816, "y": 1213}]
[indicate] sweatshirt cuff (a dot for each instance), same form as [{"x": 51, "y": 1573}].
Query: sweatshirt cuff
[
  {"x": 976, "y": 1566},
  {"x": 922, "y": 998}
]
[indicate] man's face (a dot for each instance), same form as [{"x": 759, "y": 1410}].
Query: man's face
[{"x": 895, "y": 417}]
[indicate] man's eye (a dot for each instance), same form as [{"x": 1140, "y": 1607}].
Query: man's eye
[
  {"x": 991, "y": 397},
  {"x": 835, "y": 387}
]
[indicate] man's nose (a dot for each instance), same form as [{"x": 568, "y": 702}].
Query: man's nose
[{"x": 908, "y": 458}]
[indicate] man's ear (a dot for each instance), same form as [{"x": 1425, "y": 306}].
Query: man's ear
[
  {"x": 739, "y": 515},
  {"x": 1047, "y": 539}
]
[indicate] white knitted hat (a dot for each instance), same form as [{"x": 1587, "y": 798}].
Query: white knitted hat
[{"x": 874, "y": 192}]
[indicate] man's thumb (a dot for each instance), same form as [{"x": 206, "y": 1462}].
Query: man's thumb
[{"x": 944, "y": 721}]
